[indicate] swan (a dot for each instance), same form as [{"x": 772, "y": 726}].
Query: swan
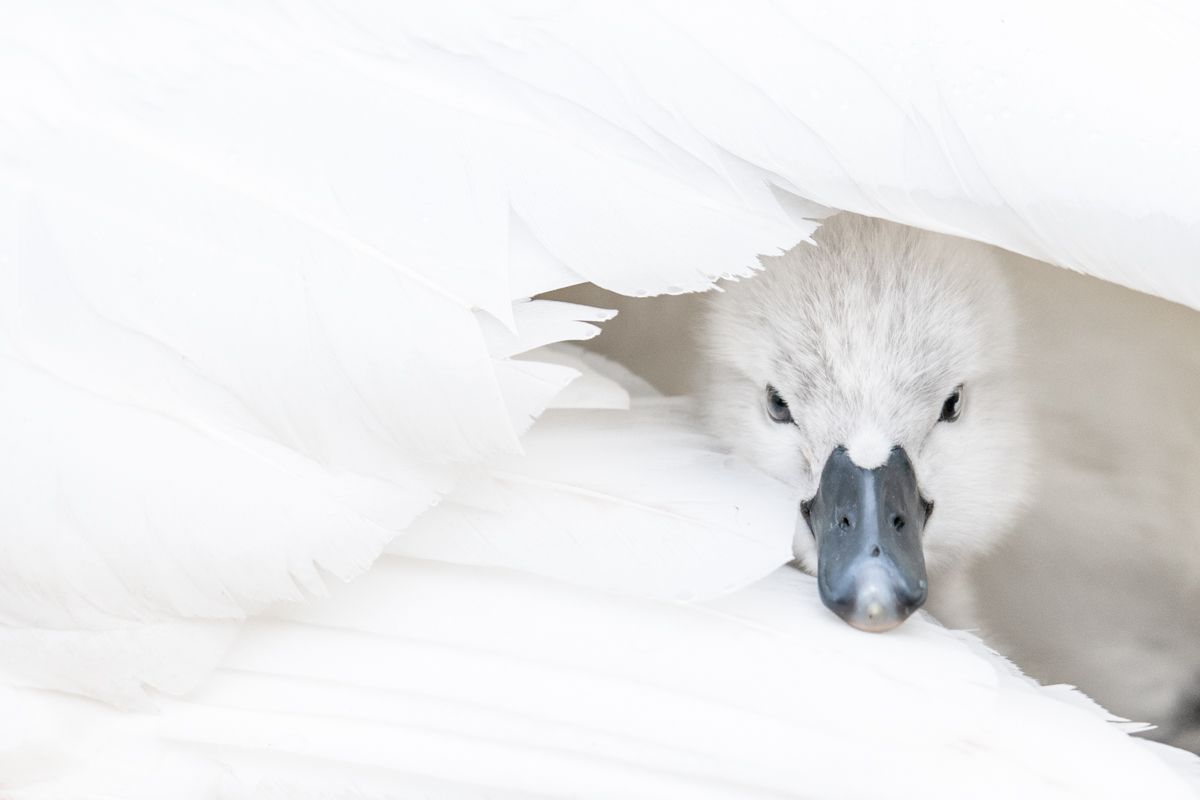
[
  {"x": 305, "y": 493},
  {"x": 874, "y": 373}
]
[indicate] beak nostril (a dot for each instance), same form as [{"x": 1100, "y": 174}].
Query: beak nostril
[
  {"x": 844, "y": 523},
  {"x": 898, "y": 522},
  {"x": 875, "y": 551}
]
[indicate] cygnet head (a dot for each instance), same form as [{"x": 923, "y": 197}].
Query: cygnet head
[{"x": 874, "y": 373}]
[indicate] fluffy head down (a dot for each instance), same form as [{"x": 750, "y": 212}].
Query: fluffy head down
[{"x": 864, "y": 336}]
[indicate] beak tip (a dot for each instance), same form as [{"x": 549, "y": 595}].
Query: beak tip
[
  {"x": 876, "y": 626},
  {"x": 875, "y": 617},
  {"x": 875, "y": 603}
]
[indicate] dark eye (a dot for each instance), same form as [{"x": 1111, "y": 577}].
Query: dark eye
[
  {"x": 952, "y": 408},
  {"x": 776, "y": 406}
]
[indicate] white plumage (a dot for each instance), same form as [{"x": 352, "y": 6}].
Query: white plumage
[
  {"x": 866, "y": 334},
  {"x": 264, "y": 307}
]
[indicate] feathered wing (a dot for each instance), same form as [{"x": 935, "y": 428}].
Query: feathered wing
[
  {"x": 258, "y": 301},
  {"x": 190, "y": 433},
  {"x": 645, "y": 157},
  {"x": 472, "y": 682},
  {"x": 652, "y": 507},
  {"x": 1012, "y": 129},
  {"x": 263, "y": 273}
]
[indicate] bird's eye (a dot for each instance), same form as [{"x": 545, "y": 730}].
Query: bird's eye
[
  {"x": 953, "y": 406},
  {"x": 776, "y": 407}
]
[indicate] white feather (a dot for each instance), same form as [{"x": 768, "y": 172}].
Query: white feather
[
  {"x": 184, "y": 449},
  {"x": 654, "y": 508},
  {"x": 257, "y": 273},
  {"x": 864, "y": 335},
  {"x": 462, "y": 682}
]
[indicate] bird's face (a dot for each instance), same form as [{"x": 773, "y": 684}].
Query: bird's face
[{"x": 873, "y": 374}]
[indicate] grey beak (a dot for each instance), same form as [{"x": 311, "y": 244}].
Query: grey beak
[{"x": 868, "y": 524}]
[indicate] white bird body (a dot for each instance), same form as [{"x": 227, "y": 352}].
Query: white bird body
[{"x": 264, "y": 310}]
